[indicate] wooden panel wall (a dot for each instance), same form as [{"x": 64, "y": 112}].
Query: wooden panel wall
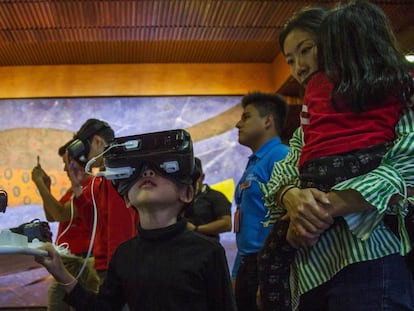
[{"x": 135, "y": 80}]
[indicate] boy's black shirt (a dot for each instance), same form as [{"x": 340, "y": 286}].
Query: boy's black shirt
[{"x": 163, "y": 269}]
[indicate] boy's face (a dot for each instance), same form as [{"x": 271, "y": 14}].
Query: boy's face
[{"x": 154, "y": 190}]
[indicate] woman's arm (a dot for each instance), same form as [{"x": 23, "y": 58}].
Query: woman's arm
[
  {"x": 285, "y": 172},
  {"x": 389, "y": 183}
]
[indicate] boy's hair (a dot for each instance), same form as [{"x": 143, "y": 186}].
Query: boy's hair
[
  {"x": 308, "y": 19},
  {"x": 359, "y": 53},
  {"x": 266, "y": 104},
  {"x": 96, "y": 127}
]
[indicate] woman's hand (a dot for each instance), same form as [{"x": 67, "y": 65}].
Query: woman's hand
[
  {"x": 296, "y": 240},
  {"x": 308, "y": 211}
]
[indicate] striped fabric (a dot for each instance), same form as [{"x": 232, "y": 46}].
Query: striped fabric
[{"x": 359, "y": 236}]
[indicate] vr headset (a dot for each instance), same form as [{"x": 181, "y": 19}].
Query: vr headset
[
  {"x": 169, "y": 153},
  {"x": 80, "y": 146},
  {"x": 3, "y": 201}
]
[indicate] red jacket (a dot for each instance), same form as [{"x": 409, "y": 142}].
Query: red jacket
[
  {"x": 79, "y": 234},
  {"x": 116, "y": 222},
  {"x": 327, "y": 132}
]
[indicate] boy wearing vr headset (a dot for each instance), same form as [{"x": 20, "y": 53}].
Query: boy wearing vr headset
[
  {"x": 115, "y": 222},
  {"x": 167, "y": 266}
]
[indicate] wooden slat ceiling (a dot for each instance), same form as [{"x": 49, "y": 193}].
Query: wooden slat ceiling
[{"x": 157, "y": 31}]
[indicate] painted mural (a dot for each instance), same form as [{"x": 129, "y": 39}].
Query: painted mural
[{"x": 32, "y": 129}]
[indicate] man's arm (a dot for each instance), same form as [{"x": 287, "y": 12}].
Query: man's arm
[
  {"x": 54, "y": 209},
  {"x": 221, "y": 224}
]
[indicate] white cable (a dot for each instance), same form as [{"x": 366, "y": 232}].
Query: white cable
[
  {"x": 95, "y": 221},
  {"x": 130, "y": 144},
  {"x": 70, "y": 222}
]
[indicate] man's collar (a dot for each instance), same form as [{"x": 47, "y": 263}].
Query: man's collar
[{"x": 266, "y": 147}]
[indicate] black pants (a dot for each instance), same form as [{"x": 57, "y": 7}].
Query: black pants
[{"x": 247, "y": 284}]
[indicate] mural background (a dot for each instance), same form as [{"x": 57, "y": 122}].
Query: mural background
[{"x": 32, "y": 128}]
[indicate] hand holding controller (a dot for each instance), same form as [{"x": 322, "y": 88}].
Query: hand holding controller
[{"x": 62, "y": 250}]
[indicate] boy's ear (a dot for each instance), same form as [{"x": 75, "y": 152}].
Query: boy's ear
[
  {"x": 187, "y": 194},
  {"x": 99, "y": 141},
  {"x": 269, "y": 121}
]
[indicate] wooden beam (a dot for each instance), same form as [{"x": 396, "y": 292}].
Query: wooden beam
[{"x": 135, "y": 80}]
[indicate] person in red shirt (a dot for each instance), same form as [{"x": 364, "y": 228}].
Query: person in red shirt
[
  {"x": 74, "y": 233},
  {"x": 115, "y": 223}
]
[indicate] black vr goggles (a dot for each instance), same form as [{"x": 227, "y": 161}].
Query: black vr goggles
[
  {"x": 3, "y": 201},
  {"x": 79, "y": 147},
  {"x": 169, "y": 153}
]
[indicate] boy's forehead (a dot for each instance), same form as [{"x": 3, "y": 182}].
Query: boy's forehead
[{"x": 250, "y": 109}]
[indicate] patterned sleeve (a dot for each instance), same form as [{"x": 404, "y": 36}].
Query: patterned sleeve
[
  {"x": 393, "y": 176},
  {"x": 285, "y": 172}
]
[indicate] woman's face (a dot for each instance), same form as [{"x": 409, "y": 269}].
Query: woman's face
[{"x": 301, "y": 54}]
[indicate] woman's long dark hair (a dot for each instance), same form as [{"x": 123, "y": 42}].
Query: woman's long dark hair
[{"x": 358, "y": 51}]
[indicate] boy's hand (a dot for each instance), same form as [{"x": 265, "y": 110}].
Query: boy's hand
[
  {"x": 39, "y": 176},
  {"x": 53, "y": 263}
]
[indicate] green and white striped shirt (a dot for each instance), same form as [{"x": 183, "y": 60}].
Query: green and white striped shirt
[{"x": 355, "y": 237}]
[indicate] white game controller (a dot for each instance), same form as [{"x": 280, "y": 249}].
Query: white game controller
[
  {"x": 62, "y": 250},
  {"x": 13, "y": 243}
]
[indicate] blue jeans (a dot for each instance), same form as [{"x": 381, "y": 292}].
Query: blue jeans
[{"x": 377, "y": 285}]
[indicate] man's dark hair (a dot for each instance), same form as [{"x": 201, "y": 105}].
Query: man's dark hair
[{"x": 267, "y": 103}]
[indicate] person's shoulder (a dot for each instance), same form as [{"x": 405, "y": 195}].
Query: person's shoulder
[
  {"x": 278, "y": 151},
  {"x": 200, "y": 246},
  {"x": 203, "y": 240},
  {"x": 318, "y": 83},
  {"x": 124, "y": 248},
  {"x": 111, "y": 192},
  {"x": 216, "y": 194},
  {"x": 316, "y": 78}
]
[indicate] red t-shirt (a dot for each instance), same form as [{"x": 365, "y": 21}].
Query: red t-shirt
[
  {"x": 116, "y": 223},
  {"x": 79, "y": 234},
  {"x": 327, "y": 132}
]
